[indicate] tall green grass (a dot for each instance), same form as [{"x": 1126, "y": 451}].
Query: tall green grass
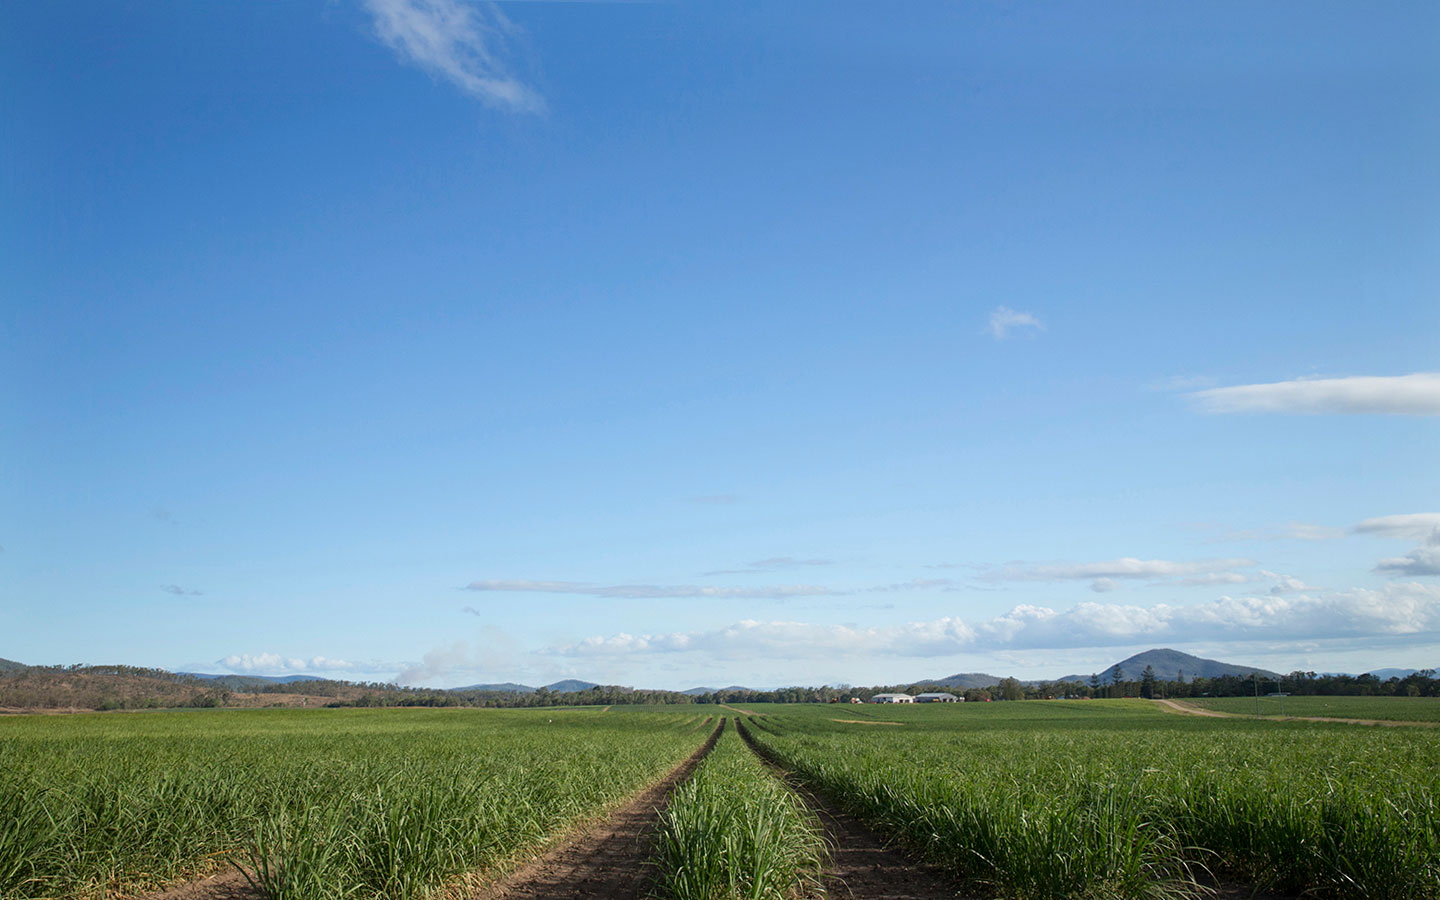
[
  {"x": 315, "y": 804},
  {"x": 733, "y": 832},
  {"x": 1112, "y": 800}
]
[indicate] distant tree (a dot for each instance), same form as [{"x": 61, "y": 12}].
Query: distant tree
[
  {"x": 1147, "y": 683},
  {"x": 1011, "y": 689}
]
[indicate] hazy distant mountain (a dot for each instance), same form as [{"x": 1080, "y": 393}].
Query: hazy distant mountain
[
  {"x": 570, "y": 686},
  {"x": 965, "y": 680},
  {"x": 504, "y": 687},
  {"x": 10, "y": 665},
  {"x": 698, "y": 691},
  {"x": 1169, "y": 664},
  {"x": 1387, "y": 674},
  {"x": 244, "y": 681}
]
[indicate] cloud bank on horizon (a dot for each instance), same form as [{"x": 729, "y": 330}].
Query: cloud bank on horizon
[
  {"x": 1398, "y": 609},
  {"x": 1289, "y": 612},
  {"x": 1408, "y": 610}
]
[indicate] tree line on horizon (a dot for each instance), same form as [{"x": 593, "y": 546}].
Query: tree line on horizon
[{"x": 133, "y": 687}]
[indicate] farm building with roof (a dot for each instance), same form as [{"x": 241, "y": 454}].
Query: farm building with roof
[
  {"x": 892, "y": 698},
  {"x": 937, "y": 697}
]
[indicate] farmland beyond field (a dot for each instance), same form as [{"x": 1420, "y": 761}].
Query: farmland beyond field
[{"x": 1385, "y": 709}]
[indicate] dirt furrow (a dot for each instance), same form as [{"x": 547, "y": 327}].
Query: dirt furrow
[
  {"x": 608, "y": 862},
  {"x": 862, "y": 866}
]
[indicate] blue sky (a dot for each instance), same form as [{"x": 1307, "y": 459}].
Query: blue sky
[{"x": 689, "y": 343}]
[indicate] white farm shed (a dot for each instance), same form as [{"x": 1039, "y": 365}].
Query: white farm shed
[
  {"x": 937, "y": 697},
  {"x": 892, "y": 698}
]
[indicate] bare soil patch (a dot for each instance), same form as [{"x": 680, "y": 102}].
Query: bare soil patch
[
  {"x": 1172, "y": 706},
  {"x": 608, "y": 862},
  {"x": 226, "y": 884}
]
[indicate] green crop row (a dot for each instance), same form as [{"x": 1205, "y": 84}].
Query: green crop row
[
  {"x": 733, "y": 832},
  {"x": 1037, "y": 802},
  {"x": 318, "y": 804}
]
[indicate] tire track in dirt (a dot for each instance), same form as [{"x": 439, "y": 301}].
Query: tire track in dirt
[
  {"x": 611, "y": 861},
  {"x": 862, "y": 866}
]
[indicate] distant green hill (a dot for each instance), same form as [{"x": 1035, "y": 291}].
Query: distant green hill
[
  {"x": 10, "y": 665},
  {"x": 504, "y": 687},
  {"x": 1170, "y": 664},
  {"x": 965, "y": 681},
  {"x": 245, "y": 682},
  {"x": 570, "y": 686}
]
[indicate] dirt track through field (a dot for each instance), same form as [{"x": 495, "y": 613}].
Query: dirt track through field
[
  {"x": 861, "y": 866},
  {"x": 608, "y": 862},
  {"x": 1187, "y": 709}
]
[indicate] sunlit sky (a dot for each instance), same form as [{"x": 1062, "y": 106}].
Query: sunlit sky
[{"x": 679, "y": 344}]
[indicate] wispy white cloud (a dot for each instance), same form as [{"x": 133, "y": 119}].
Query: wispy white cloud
[
  {"x": 1213, "y": 578},
  {"x": 1400, "y": 609},
  {"x": 1286, "y": 584},
  {"x": 652, "y": 591},
  {"x": 278, "y": 664},
  {"x": 1003, "y": 320},
  {"x": 772, "y": 564},
  {"x": 1291, "y": 531},
  {"x": 492, "y": 655},
  {"x": 1408, "y": 395},
  {"x": 1303, "y": 531},
  {"x": 797, "y": 640},
  {"x": 179, "y": 591},
  {"x": 466, "y": 43},
  {"x": 1411, "y": 526},
  {"x": 1103, "y": 576},
  {"x": 1182, "y": 383}
]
